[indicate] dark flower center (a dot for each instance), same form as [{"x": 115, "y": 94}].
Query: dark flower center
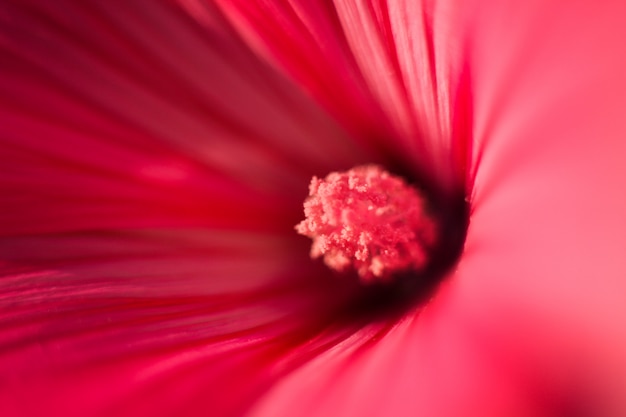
[{"x": 400, "y": 240}]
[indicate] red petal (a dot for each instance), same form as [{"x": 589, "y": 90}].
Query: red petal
[
  {"x": 393, "y": 73},
  {"x": 119, "y": 121},
  {"x": 133, "y": 116}
]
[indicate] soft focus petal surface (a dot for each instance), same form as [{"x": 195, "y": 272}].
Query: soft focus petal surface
[
  {"x": 430, "y": 363},
  {"x": 144, "y": 116},
  {"x": 145, "y": 271},
  {"x": 392, "y": 72},
  {"x": 152, "y": 169},
  {"x": 544, "y": 254},
  {"x": 531, "y": 323}
]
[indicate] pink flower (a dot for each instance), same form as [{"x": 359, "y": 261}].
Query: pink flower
[{"x": 154, "y": 158}]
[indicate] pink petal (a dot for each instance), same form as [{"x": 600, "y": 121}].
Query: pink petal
[
  {"x": 100, "y": 318},
  {"x": 532, "y": 324},
  {"x": 111, "y": 124},
  {"x": 102, "y": 322},
  {"x": 391, "y": 72},
  {"x": 150, "y": 168},
  {"x": 543, "y": 268},
  {"x": 306, "y": 40},
  {"x": 430, "y": 363}
]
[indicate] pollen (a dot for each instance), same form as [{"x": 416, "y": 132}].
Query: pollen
[{"x": 368, "y": 220}]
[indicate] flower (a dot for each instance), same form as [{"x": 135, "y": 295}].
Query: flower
[{"x": 154, "y": 157}]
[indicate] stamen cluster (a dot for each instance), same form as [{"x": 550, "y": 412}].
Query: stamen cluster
[{"x": 369, "y": 220}]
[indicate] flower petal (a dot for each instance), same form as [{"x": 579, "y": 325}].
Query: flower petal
[
  {"x": 392, "y": 72},
  {"x": 544, "y": 267},
  {"x": 306, "y": 40},
  {"x": 117, "y": 318},
  {"x": 151, "y": 166},
  {"x": 531, "y": 323},
  {"x": 116, "y": 105},
  {"x": 430, "y": 363}
]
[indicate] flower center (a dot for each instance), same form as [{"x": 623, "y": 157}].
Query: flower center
[{"x": 368, "y": 220}]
